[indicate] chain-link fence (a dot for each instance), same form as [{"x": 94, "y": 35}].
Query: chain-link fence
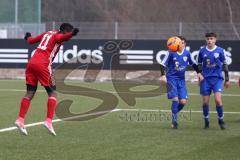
[
  {"x": 10, "y": 30},
  {"x": 116, "y": 30}
]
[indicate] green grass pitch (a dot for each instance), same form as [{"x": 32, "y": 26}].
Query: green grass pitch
[{"x": 119, "y": 135}]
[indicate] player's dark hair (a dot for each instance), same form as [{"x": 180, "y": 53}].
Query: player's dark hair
[
  {"x": 182, "y": 38},
  {"x": 66, "y": 27},
  {"x": 211, "y": 34}
]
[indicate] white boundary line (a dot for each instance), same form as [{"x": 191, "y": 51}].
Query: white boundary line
[
  {"x": 39, "y": 90},
  {"x": 184, "y": 111},
  {"x": 56, "y": 120},
  {"x": 103, "y": 112}
]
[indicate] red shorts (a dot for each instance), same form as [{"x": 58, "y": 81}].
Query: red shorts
[{"x": 39, "y": 73}]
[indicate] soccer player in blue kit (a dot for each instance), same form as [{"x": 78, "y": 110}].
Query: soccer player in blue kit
[
  {"x": 212, "y": 60},
  {"x": 176, "y": 64}
]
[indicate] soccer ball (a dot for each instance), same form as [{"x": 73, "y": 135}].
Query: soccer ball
[{"x": 174, "y": 44}]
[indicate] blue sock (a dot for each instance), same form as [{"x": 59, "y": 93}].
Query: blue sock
[
  {"x": 219, "y": 110},
  {"x": 180, "y": 107},
  {"x": 174, "y": 111},
  {"x": 205, "y": 108}
]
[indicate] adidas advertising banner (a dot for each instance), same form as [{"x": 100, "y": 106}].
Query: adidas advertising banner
[{"x": 109, "y": 54}]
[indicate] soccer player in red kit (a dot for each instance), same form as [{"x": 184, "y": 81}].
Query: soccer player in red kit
[{"x": 39, "y": 70}]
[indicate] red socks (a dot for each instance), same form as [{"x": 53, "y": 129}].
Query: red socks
[
  {"x": 25, "y": 103},
  {"x": 51, "y": 105}
]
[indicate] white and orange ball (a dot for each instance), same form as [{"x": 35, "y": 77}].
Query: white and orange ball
[{"x": 174, "y": 44}]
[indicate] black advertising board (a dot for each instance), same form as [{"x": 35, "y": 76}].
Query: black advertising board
[{"x": 114, "y": 54}]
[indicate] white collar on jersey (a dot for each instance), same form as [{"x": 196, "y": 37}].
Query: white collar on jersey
[
  {"x": 180, "y": 53},
  {"x": 210, "y": 50}
]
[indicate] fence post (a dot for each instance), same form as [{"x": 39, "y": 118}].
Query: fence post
[
  {"x": 180, "y": 28},
  {"x": 16, "y": 18},
  {"x": 53, "y": 25},
  {"x": 116, "y": 30},
  {"x": 16, "y": 11},
  {"x": 39, "y": 15}
]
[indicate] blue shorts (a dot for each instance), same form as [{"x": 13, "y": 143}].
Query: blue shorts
[
  {"x": 210, "y": 84},
  {"x": 176, "y": 88}
]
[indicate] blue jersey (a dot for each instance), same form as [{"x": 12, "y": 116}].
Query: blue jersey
[
  {"x": 177, "y": 63},
  {"x": 211, "y": 61}
]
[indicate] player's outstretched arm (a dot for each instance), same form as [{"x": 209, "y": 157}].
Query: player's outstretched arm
[
  {"x": 61, "y": 37},
  {"x": 75, "y": 31},
  {"x": 31, "y": 40},
  {"x": 27, "y": 35}
]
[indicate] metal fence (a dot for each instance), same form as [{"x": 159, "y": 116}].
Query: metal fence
[
  {"x": 11, "y": 30},
  {"x": 120, "y": 30}
]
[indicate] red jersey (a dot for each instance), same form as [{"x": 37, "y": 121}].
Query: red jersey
[{"x": 49, "y": 45}]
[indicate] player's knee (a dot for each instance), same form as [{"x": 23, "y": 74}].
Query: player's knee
[
  {"x": 218, "y": 98},
  {"x": 31, "y": 90},
  {"x": 218, "y": 102},
  {"x": 52, "y": 94},
  {"x": 51, "y": 91},
  {"x": 205, "y": 101},
  {"x": 205, "y": 104},
  {"x": 183, "y": 101},
  {"x": 30, "y": 94},
  {"x": 175, "y": 99}
]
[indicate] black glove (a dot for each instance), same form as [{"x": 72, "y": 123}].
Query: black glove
[
  {"x": 75, "y": 31},
  {"x": 27, "y": 35}
]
